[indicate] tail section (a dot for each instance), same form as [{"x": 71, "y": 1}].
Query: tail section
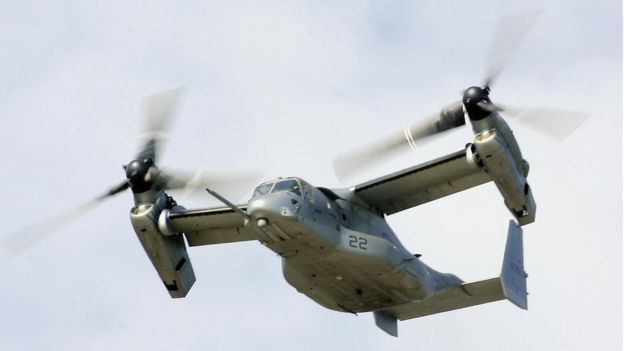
[
  {"x": 513, "y": 277},
  {"x": 511, "y": 285}
]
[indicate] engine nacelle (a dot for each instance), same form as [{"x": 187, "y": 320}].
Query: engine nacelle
[
  {"x": 164, "y": 223},
  {"x": 508, "y": 174},
  {"x": 167, "y": 253},
  {"x": 472, "y": 157}
]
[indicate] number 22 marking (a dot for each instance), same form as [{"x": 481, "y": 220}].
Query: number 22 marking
[{"x": 358, "y": 243}]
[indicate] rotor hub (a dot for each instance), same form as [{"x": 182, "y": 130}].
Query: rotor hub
[
  {"x": 474, "y": 100},
  {"x": 137, "y": 173}
]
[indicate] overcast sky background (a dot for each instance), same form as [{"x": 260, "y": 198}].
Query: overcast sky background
[{"x": 285, "y": 86}]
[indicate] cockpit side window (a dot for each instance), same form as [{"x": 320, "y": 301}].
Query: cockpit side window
[
  {"x": 287, "y": 185},
  {"x": 262, "y": 189},
  {"x": 307, "y": 191}
]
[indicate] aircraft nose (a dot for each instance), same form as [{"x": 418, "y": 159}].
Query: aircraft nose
[{"x": 273, "y": 207}]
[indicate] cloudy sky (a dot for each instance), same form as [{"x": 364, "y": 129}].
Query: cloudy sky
[{"x": 285, "y": 86}]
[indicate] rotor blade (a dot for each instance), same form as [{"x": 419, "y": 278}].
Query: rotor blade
[
  {"x": 350, "y": 163},
  {"x": 28, "y": 237},
  {"x": 510, "y": 32},
  {"x": 157, "y": 111},
  {"x": 392, "y": 145},
  {"x": 553, "y": 124},
  {"x": 490, "y": 107},
  {"x": 353, "y": 162},
  {"x": 230, "y": 183}
]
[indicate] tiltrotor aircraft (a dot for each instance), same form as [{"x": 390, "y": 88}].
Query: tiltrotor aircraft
[{"x": 335, "y": 244}]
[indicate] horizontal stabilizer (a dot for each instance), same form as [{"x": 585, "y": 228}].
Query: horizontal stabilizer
[{"x": 462, "y": 296}]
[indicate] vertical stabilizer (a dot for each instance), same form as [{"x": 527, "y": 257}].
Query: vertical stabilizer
[
  {"x": 513, "y": 276},
  {"x": 386, "y": 322}
]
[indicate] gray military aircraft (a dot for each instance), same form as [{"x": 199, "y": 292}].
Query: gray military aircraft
[{"x": 335, "y": 244}]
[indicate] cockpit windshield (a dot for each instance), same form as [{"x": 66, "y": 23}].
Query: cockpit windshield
[
  {"x": 287, "y": 185},
  {"x": 262, "y": 189},
  {"x": 291, "y": 185}
]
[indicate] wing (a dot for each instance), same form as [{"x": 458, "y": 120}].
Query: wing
[
  {"x": 210, "y": 226},
  {"x": 423, "y": 183}
]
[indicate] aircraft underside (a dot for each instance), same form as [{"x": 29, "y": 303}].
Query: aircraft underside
[{"x": 348, "y": 271}]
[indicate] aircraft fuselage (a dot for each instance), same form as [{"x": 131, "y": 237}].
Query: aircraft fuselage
[{"x": 340, "y": 253}]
